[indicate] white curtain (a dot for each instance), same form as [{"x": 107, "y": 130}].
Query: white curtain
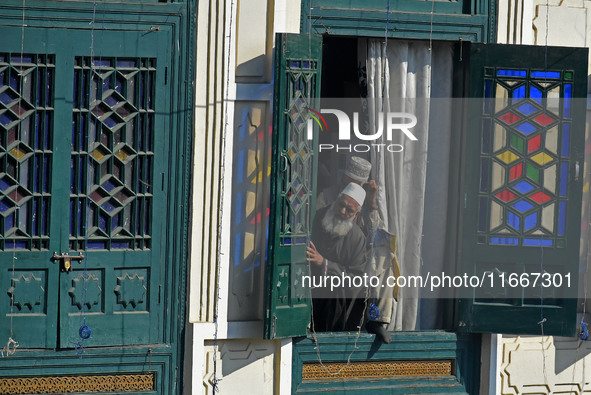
[{"x": 404, "y": 76}]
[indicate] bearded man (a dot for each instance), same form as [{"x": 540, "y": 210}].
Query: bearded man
[{"x": 338, "y": 249}]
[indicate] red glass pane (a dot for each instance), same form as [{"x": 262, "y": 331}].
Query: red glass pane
[
  {"x": 534, "y": 143},
  {"x": 540, "y": 197},
  {"x": 515, "y": 171},
  {"x": 506, "y": 195},
  {"x": 543, "y": 119},
  {"x": 509, "y": 118}
]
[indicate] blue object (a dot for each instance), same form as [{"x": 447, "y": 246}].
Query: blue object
[
  {"x": 584, "y": 333},
  {"x": 374, "y": 312},
  {"x": 84, "y": 332}
]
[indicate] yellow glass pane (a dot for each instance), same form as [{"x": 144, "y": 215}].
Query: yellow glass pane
[
  {"x": 496, "y": 215},
  {"x": 498, "y": 176},
  {"x": 17, "y": 153},
  {"x": 499, "y": 138},
  {"x": 552, "y": 140},
  {"x": 548, "y": 218},
  {"x": 507, "y": 156},
  {"x": 97, "y": 154},
  {"x": 121, "y": 155},
  {"x": 550, "y": 179},
  {"x": 542, "y": 158}
]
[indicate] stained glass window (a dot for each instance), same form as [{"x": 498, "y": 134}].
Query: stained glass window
[
  {"x": 297, "y": 161},
  {"x": 525, "y": 158},
  {"x": 112, "y": 153},
  {"x": 26, "y": 133}
]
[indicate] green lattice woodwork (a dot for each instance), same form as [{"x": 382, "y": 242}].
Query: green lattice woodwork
[
  {"x": 88, "y": 152},
  {"x": 469, "y": 20},
  {"x": 522, "y": 187},
  {"x": 293, "y": 184}
]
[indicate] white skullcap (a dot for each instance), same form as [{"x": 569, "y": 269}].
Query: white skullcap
[
  {"x": 358, "y": 169},
  {"x": 355, "y": 191}
]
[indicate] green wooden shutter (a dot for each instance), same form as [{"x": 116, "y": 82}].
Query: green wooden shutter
[
  {"x": 293, "y": 184},
  {"x": 521, "y": 198}
]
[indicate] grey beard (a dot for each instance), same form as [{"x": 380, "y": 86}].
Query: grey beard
[{"x": 336, "y": 226}]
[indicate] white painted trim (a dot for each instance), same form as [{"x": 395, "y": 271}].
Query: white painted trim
[
  {"x": 527, "y": 23},
  {"x": 285, "y": 366},
  {"x": 496, "y": 350}
]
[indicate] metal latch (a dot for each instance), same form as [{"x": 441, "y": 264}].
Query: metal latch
[{"x": 66, "y": 260}]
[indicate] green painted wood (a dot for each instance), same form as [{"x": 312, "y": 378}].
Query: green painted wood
[
  {"x": 405, "y": 346},
  {"x": 517, "y": 314},
  {"x": 293, "y": 172},
  {"x": 470, "y": 20},
  {"x": 164, "y": 33}
]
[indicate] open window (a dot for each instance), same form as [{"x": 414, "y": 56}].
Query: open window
[{"x": 512, "y": 192}]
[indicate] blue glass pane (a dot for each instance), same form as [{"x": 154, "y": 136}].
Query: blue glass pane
[
  {"x": 513, "y": 220},
  {"x": 18, "y": 245},
  {"x": 109, "y": 186},
  {"x": 563, "y": 178},
  {"x": 482, "y": 208},
  {"x": 35, "y": 232},
  {"x": 530, "y": 221},
  {"x": 102, "y": 223},
  {"x": 294, "y": 63},
  {"x": 301, "y": 240},
  {"x": 287, "y": 241},
  {"x": 537, "y": 242},
  {"x": 526, "y": 128},
  {"x": 561, "y": 218},
  {"x": 126, "y": 63},
  {"x": 72, "y": 217},
  {"x": 96, "y": 245},
  {"x": 545, "y": 74},
  {"x": 519, "y": 93},
  {"x": 14, "y": 82},
  {"x": 522, "y": 206},
  {"x": 504, "y": 240},
  {"x": 306, "y": 64},
  {"x": 101, "y": 62},
  {"x": 8, "y": 222},
  {"x": 486, "y": 136},
  {"x": 527, "y": 108},
  {"x": 484, "y": 174},
  {"x": 535, "y": 94},
  {"x": 487, "y": 96},
  {"x": 567, "y": 99},
  {"x": 565, "y": 139},
  {"x": 120, "y": 245},
  {"x": 511, "y": 73},
  {"x": 523, "y": 187},
  {"x": 4, "y": 205},
  {"x": 4, "y": 184},
  {"x": 114, "y": 222},
  {"x": 237, "y": 249}
]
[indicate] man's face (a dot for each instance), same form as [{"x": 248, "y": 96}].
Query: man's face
[{"x": 346, "y": 207}]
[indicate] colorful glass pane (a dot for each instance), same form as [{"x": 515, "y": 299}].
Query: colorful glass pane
[
  {"x": 504, "y": 240},
  {"x": 563, "y": 178},
  {"x": 499, "y": 138},
  {"x": 565, "y": 140},
  {"x": 522, "y": 206},
  {"x": 537, "y": 242},
  {"x": 545, "y": 74},
  {"x": 506, "y": 195},
  {"x": 519, "y": 93},
  {"x": 534, "y": 143},
  {"x": 567, "y": 100},
  {"x": 511, "y": 73},
  {"x": 530, "y": 221},
  {"x": 26, "y": 134},
  {"x": 508, "y": 156},
  {"x": 517, "y": 143},
  {"x": 544, "y": 119},
  {"x": 496, "y": 215},
  {"x": 527, "y": 108},
  {"x": 513, "y": 220},
  {"x": 113, "y": 208},
  {"x": 516, "y": 172},
  {"x": 535, "y": 94},
  {"x": 540, "y": 197},
  {"x": 568, "y": 75},
  {"x": 509, "y": 118},
  {"x": 526, "y": 128},
  {"x": 533, "y": 173},
  {"x": 498, "y": 176},
  {"x": 542, "y": 158},
  {"x": 548, "y": 217},
  {"x": 551, "y": 143},
  {"x": 523, "y": 187},
  {"x": 550, "y": 178}
]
